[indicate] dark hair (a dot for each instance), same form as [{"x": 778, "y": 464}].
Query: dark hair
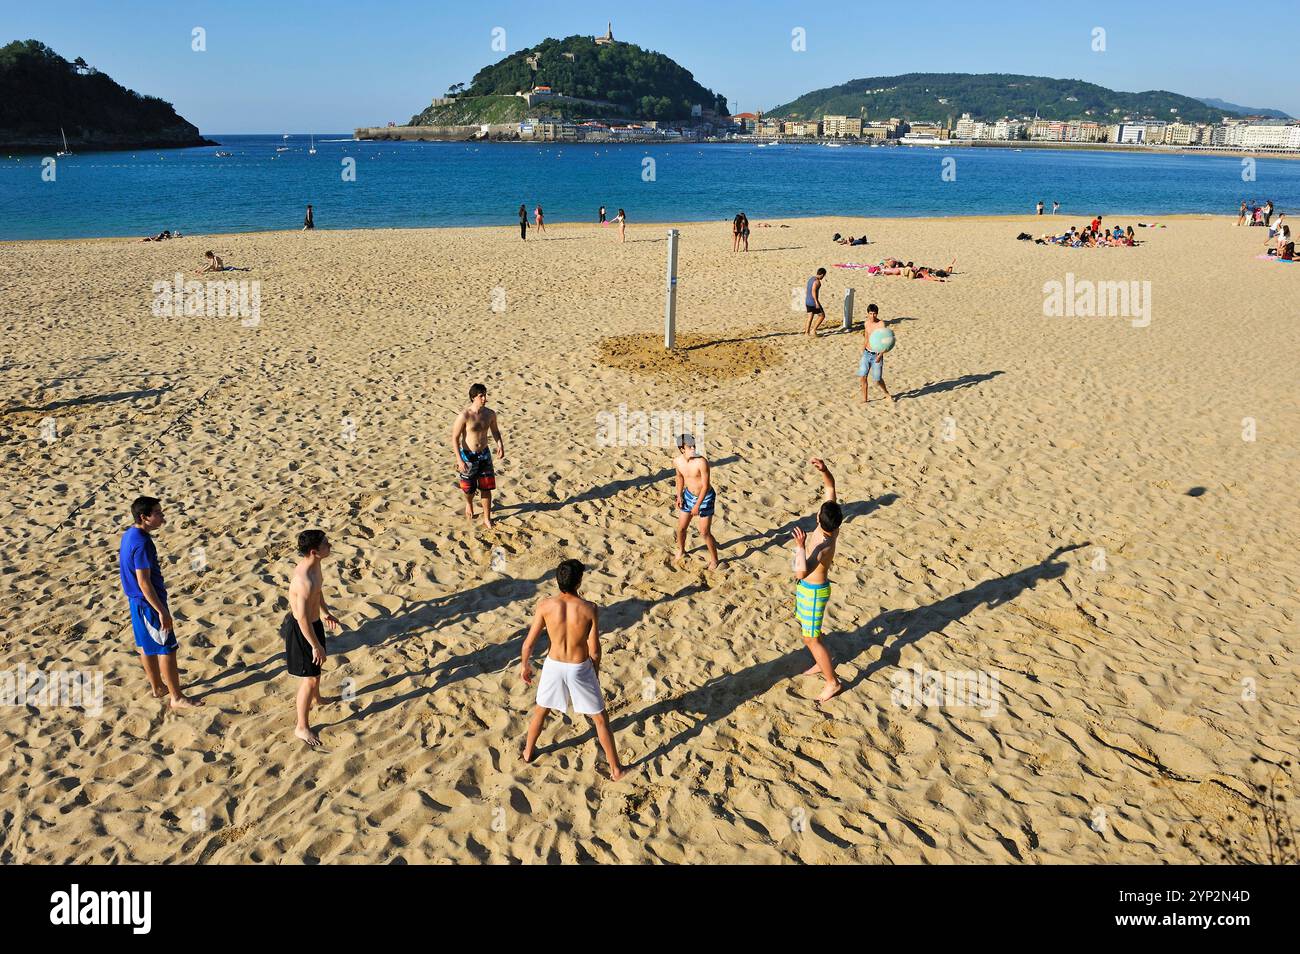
[
  {"x": 872, "y": 309},
  {"x": 821, "y": 271},
  {"x": 568, "y": 575},
  {"x": 476, "y": 389},
  {"x": 830, "y": 516},
  {"x": 310, "y": 540},
  {"x": 142, "y": 507},
  {"x": 207, "y": 254}
]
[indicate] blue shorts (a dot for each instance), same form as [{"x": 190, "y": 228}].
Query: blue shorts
[
  {"x": 706, "y": 505},
  {"x": 873, "y": 364},
  {"x": 148, "y": 630}
]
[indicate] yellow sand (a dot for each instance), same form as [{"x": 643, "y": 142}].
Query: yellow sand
[{"x": 1023, "y": 511}]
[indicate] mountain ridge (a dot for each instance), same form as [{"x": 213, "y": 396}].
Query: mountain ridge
[{"x": 937, "y": 97}]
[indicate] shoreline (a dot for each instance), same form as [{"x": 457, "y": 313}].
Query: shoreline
[{"x": 667, "y": 223}]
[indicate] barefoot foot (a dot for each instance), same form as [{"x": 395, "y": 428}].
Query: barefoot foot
[
  {"x": 832, "y": 690},
  {"x": 183, "y": 702},
  {"x": 308, "y": 736}
]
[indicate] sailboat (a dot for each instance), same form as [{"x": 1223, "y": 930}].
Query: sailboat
[
  {"x": 66, "y": 151},
  {"x": 312, "y": 150}
]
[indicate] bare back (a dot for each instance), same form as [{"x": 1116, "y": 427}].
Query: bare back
[
  {"x": 571, "y": 626},
  {"x": 305, "y": 591}
]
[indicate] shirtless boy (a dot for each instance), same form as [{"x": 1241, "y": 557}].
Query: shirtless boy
[
  {"x": 872, "y": 365},
  {"x": 213, "y": 264},
  {"x": 695, "y": 497},
  {"x": 302, "y": 630},
  {"x": 469, "y": 441},
  {"x": 571, "y": 674},
  {"x": 813, "y": 554}
]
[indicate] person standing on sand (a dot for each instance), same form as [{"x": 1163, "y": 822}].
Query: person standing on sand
[
  {"x": 309, "y": 221},
  {"x": 1056, "y": 207},
  {"x": 695, "y": 497},
  {"x": 872, "y": 365},
  {"x": 813, "y": 554},
  {"x": 1241, "y": 215},
  {"x": 571, "y": 673},
  {"x": 621, "y": 221},
  {"x": 469, "y": 441},
  {"x": 146, "y": 595},
  {"x": 539, "y": 220},
  {"x": 523, "y": 221},
  {"x": 601, "y": 220},
  {"x": 302, "y": 630},
  {"x": 813, "y": 302},
  {"x": 1039, "y": 207}
]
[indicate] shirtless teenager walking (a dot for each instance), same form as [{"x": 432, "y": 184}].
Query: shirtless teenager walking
[
  {"x": 695, "y": 497},
  {"x": 302, "y": 629},
  {"x": 469, "y": 441},
  {"x": 571, "y": 674},
  {"x": 813, "y": 554}
]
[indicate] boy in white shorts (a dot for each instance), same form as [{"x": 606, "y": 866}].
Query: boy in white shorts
[{"x": 571, "y": 673}]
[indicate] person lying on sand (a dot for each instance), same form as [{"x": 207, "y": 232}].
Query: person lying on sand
[
  {"x": 302, "y": 630},
  {"x": 571, "y": 673},
  {"x": 160, "y": 237},
  {"x": 469, "y": 440},
  {"x": 813, "y": 554},
  {"x": 695, "y": 497}
]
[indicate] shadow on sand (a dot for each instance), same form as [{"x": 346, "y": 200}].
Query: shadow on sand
[{"x": 891, "y": 630}]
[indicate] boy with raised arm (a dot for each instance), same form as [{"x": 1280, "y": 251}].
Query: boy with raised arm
[
  {"x": 469, "y": 440},
  {"x": 695, "y": 497},
  {"x": 813, "y": 554},
  {"x": 302, "y": 629},
  {"x": 571, "y": 674},
  {"x": 146, "y": 594}
]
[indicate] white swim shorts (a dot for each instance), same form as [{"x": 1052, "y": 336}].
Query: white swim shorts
[{"x": 564, "y": 683}]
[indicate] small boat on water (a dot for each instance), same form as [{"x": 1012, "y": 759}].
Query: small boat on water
[
  {"x": 66, "y": 151},
  {"x": 312, "y": 150},
  {"x": 281, "y": 148},
  {"x": 223, "y": 155}
]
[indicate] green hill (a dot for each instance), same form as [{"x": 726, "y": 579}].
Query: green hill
[
  {"x": 621, "y": 79},
  {"x": 989, "y": 96},
  {"x": 40, "y": 92}
]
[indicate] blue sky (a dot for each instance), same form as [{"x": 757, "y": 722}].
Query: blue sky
[{"x": 329, "y": 65}]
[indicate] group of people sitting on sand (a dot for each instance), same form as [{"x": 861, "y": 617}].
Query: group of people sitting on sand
[{"x": 1093, "y": 235}]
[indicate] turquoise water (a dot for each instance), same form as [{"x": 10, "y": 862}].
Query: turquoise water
[{"x": 413, "y": 185}]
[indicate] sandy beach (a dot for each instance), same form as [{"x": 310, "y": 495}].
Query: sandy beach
[{"x": 1097, "y": 513}]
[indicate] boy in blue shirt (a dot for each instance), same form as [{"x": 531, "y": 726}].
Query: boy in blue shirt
[{"x": 151, "y": 621}]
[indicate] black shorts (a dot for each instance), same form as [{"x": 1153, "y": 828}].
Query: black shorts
[
  {"x": 815, "y": 310},
  {"x": 297, "y": 651}
]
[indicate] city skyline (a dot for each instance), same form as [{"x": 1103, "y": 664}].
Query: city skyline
[{"x": 332, "y": 66}]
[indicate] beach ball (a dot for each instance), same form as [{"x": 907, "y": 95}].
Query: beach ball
[{"x": 881, "y": 340}]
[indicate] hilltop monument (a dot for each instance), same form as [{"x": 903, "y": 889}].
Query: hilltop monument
[{"x": 609, "y": 34}]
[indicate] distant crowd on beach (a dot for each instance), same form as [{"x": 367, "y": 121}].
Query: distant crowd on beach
[
  {"x": 1280, "y": 244},
  {"x": 1092, "y": 235}
]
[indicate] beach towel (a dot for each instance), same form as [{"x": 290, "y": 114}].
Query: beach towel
[
  {"x": 853, "y": 265},
  {"x": 1274, "y": 258}
]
